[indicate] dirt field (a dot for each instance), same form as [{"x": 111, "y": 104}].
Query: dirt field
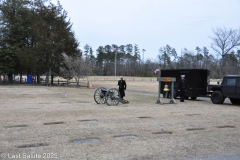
[{"x": 40, "y": 122}]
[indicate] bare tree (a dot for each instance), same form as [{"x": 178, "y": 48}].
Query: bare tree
[
  {"x": 223, "y": 43},
  {"x": 75, "y": 67},
  {"x": 225, "y": 40}
]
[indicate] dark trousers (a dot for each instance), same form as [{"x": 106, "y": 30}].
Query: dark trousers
[
  {"x": 122, "y": 92},
  {"x": 182, "y": 95}
]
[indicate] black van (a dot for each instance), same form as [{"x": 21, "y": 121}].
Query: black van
[{"x": 197, "y": 81}]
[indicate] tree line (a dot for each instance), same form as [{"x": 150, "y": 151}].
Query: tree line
[
  {"x": 36, "y": 38},
  {"x": 34, "y": 34},
  {"x": 129, "y": 61}
]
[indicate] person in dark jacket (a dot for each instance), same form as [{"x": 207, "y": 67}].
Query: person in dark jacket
[
  {"x": 182, "y": 87},
  {"x": 122, "y": 87}
]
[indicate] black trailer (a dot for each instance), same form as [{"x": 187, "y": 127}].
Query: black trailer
[{"x": 197, "y": 81}]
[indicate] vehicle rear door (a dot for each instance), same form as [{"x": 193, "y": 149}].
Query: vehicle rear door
[{"x": 238, "y": 88}]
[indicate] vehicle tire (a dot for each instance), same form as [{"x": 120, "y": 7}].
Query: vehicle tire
[
  {"x": 99, "y": 95},
  {"x": 112, "y": 97},
  {"x": 193, "y": 98},
  {"x": 235, "y": 101},
  {"x": 217, "y": 97}
]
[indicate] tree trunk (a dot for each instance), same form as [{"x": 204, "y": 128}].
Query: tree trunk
[
  {"x": 20, "y": 77},
  {"x": 47, "y": 79},
  {"x": 10, "y": 76},
  {"x": 38, "y": 78},
  {"x": 77, "y": 81},
  {"x": 49, "y": 76},
  {"x": 52, "y": 76}
]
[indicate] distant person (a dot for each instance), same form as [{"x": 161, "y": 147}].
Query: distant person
[
  {"x": 182, "y": 87},
  {"x": 122, "y": 87}
]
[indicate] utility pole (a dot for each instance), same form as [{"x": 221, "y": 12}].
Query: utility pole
[
  {"x": 114, "y": 51},
  {"x": 143, "y": 50}
]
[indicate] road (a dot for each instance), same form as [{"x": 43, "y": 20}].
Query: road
[{"x": 227, "y": 101}]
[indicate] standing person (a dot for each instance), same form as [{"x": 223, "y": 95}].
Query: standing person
[
  {"x": 182, "y": 87},
  {"x": 122, "y": 87}
]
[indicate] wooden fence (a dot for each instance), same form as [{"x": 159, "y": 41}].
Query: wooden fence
[
  {"x": 86, "y": 81},
  {"x": 70, "y": 83},
  {"x": 113, "y": 78}
]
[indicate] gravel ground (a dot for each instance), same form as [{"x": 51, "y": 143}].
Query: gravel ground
[{"x": 40, "y": 122}]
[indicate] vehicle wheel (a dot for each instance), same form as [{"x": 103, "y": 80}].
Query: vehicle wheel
[
  {"x": 235, "y": 101},
  {"x": 193, "y": 98},
  {"x": 112, "y": 97},
  {"x": 217, "y": 97},
  {"x": 99, "y": 95}
]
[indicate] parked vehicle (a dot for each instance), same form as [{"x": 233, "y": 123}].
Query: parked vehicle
[
  {"x": 197, "y": 80},
  {"x": 229, "y": 88},
  {"x": 197, "y": 85}
]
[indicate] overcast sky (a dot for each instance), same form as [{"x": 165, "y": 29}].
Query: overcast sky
[{"x": 150, "y": 24}]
